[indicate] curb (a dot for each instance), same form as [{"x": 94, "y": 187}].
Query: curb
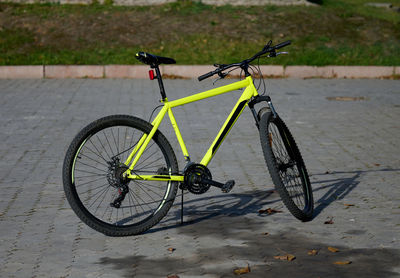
[
  {"x": 191, "y": 71},
  {"x": 14, "y": 72}
]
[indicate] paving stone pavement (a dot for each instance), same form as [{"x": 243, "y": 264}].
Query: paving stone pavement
[{"x": 351, "y": 149}]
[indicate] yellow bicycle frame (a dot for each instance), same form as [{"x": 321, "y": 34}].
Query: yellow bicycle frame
[{"x": 134, "y": 156}]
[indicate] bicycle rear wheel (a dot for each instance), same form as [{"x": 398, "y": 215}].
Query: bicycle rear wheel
[
  {"x": 93, "y": 176},
  {"x": 286, "y": 166}
]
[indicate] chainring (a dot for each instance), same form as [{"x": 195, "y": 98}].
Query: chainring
[{"x": 193, "y": 176}]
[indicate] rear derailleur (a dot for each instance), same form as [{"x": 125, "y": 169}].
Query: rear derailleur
[{"x": 118, "y": 180}]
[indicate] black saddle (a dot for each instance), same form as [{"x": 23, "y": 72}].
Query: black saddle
[{"x": 153, "y": 60}]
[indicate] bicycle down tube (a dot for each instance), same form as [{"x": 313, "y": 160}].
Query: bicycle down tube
[{"x": 249, "y": 92}]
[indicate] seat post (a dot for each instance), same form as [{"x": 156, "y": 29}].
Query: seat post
[{"x": 160, "y": 82}]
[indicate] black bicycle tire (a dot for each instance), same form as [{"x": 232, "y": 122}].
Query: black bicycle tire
[
  {"x": 303, "y": 214},
  {"x": 69, "y": 187}
]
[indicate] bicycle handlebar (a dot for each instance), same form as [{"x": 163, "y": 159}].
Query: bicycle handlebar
[
  {"x": 283, "y": 44},
  {"x": 207, "y": 75},
  {"x": 267, "y": 48}
]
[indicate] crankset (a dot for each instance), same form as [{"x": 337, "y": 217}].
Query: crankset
[
  {"x": 198, "y": 179},
  {"x": 194, "y": 178}
]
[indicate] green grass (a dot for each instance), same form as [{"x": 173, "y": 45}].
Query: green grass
[{"x": 340, "y": 32}]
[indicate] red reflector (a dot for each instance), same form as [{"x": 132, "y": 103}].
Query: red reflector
[{"x": 151, "y": 74}]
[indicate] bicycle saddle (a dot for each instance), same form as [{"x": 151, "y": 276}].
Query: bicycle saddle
[{"x": 153, "y": 60}]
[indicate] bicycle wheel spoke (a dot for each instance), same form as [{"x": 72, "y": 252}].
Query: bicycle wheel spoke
[
  {"x": 91, "y": 189},
  {"x": 98, "y": 152},
  {"x": 90, "y": 166},
  {"x": 130, "y": 205},
  {"x": 113, "y": 196},
  {"x": 90, "y": 176},
  {"x": 133, "y": 202},
  {"x": 103, "y": 193},
  {"x": 115, "y": 141},
  {"x": 94, "y": 160},
  {"x": 133, "y": 196},
  {"x": 149, "y": 164},
  {"x": 147, "y": 189},
  {"x": 123, "y": 148},
  {"x": 87, "y": 172},
  {"x": 148, "y": 156},
  {"x": 109, "y": 157},
  {"x": 85, "y": 183},
  {"x": 144, "y": 202},
  {"x": 108, "y": 143}
]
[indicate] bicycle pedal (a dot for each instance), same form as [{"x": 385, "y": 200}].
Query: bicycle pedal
[{"x": 228, "y": 186}]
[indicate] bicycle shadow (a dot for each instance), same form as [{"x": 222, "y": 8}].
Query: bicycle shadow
[
  {"x": 250, "y": 202},
  {"x": 200, "y": 209},
  {"x": 339, "y": 188}
]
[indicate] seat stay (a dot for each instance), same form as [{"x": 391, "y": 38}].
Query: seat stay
[{"x": 144, "y": 141}]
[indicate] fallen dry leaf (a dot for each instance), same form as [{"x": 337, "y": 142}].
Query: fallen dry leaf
[
  {"x": 330, "y": 221},
  {"x": 269, "y": 211},
  {"x": 173, "y": 76},
  {"x": 287, "y": 257},
  {"x": 312, "y": 252},
  {"x": 173, "y": 276},
  {"x": 343, "y": 262},
  {"x": 171, "y": 249},
  {"x": 240, "y": 271},
  {"x": 346, "y": 98},
  {"x": 333, "y": 249}
]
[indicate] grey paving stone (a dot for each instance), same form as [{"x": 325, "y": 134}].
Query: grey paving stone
[{"x": 350, "y": 149}]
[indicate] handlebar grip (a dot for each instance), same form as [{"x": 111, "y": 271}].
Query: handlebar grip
[
  {"x": 283, "y": 44},
  {"x": 207, "y": 75}
]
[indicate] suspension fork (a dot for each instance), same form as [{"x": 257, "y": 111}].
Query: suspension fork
[
  {"x": 283, "y": 134},
  {"x": 259, "y": 99}
]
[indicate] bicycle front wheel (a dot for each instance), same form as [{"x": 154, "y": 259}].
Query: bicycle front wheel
[
  {"x": 286, "y": 166},
  {"x": 93, "y": 176}
]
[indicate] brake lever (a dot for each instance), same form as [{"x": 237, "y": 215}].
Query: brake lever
[
  {"x": 283, "y": 52},
  {"x": 274, "y": 54},
  {"x": 221, "y": 76}
]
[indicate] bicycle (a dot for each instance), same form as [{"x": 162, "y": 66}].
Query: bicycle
[{"x": 121, "y": 175}]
